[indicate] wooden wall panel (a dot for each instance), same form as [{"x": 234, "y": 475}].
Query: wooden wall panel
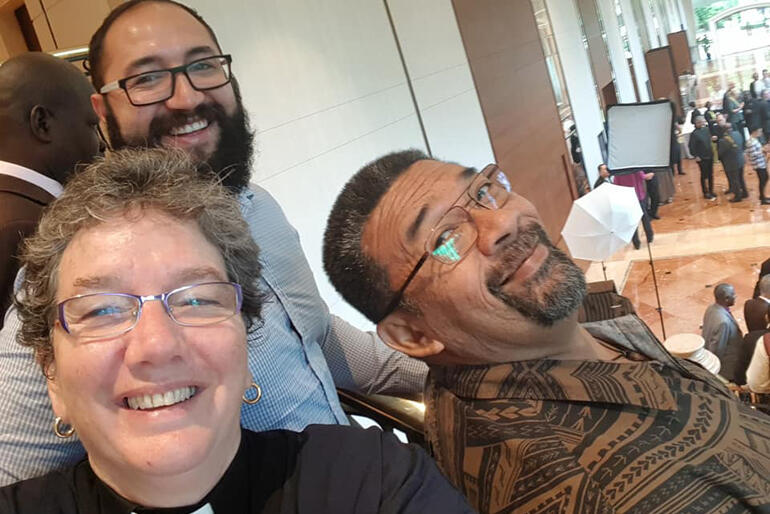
[
  {"x": 680, "y": 52},
  {"x": 663, "y": 82},
  {"x": 516, "y": 97}
]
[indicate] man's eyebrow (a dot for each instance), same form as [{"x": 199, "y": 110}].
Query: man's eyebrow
[
  {"x": 415, "y": 226},
  {"x": 464, "y": 175},
  {"x": 155, "y": 59},
  {"x": 467, "y": 174}
]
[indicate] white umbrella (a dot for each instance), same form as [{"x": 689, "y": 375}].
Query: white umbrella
[{"x": 602, "y": 222}]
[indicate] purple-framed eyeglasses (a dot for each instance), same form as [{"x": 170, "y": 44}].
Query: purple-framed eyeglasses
[
  {"x": 452, "y": 238},
  {"x": 102, "y": 315}
]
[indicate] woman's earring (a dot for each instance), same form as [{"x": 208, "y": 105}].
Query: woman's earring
[
  {"x": 255, "y": 399},
  {"x": 57, "y": 429}
]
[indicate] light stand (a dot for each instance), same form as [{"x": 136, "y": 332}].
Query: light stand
[{"x": 657, "y": 295}]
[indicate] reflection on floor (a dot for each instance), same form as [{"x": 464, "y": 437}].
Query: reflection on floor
[{"x": 697, "y": 245}]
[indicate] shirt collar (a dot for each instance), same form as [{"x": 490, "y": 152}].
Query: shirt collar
[
  {"x": 765, "y": 299},
  {"x": 33, "y": 177}
]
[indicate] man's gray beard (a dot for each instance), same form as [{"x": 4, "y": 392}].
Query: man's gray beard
[{"x": 554, "y": 292}]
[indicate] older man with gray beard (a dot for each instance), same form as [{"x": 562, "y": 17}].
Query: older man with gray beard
[{"x": 526, "y": 409}]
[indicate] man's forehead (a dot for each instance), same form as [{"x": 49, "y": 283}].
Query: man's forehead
[{"x": 159, "y": 31}]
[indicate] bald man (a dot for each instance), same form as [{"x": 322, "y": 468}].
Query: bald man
[
  {"x": 720, "y": 329},
  {"x": 47, "y": 127}
]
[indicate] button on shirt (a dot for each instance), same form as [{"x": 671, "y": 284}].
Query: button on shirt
[{"x": 297, "y": 355}]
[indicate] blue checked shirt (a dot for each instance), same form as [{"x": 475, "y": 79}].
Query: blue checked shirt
[{"x": 297, "y": 356}]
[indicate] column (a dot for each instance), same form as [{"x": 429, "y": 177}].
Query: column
[
  {"x": 652, "y": 30},
  {"x": 637, "y": 52},
  {"x": 662, "y": 18},
  {"x": 623, "y": 81},
  {"x": 586, "y": 112},
  {"x": 692, "y": 28}
]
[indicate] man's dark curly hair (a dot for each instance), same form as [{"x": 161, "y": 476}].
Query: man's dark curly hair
[
  {"x": 96, "y": 46},
  {"x": 362, "y": 282}
]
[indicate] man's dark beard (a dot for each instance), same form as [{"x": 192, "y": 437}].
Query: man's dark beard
[
  {"x": 232, "y": 158},
  {"x": 553, "y": 292}
]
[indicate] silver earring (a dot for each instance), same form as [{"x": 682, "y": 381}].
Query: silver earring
[
  {"x": 252, "y": 401},
  {"x": 57, "y": 429}
]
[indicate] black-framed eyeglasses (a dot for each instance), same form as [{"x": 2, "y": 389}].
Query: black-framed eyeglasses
[
  {"x": 452, "y": 238},
  {"x": 102, "y": 315},
  {"x": 157, "y": 86}
]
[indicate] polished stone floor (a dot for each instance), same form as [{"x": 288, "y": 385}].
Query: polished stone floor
[{"x": 697, "y": 245}]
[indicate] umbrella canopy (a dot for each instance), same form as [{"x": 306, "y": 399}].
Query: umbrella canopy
[{"x": 602, "y": 222}]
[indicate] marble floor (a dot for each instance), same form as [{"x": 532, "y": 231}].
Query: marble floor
[{"x": 697, "y": 245}]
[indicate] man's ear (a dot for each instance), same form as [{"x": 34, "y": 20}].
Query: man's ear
[
  {"x": 40, "y": 123},
  {"x": 399, "y": 331},
  {"x": 98, "y": 103}
]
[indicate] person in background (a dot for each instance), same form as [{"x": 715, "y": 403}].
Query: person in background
[
  {"x": 676, "y": 146},
  {"x": 700, "y": 147},
  {"x": 733, "y": 109},
  {"x": 694, "y": 113},
  {"x": 637, "y": 181},
  {"x": 710, "y": 117},
  {"x": 766, "y": 79},
  {"x": 751, "y": 112},
  {"x": 758, "y": 160},
  {"x": 758, "y": 372},
  {"x": 574, "y": 145},
  {"x": 756, "y": 86},
  {"x": 526, "y": 409},
  {"x": 755, "y": 310},
  {"x": 730, "y": 147},
  {"x": 604, "y": 176},
  {"x": 764, "y": 269},
  {"x": 47, "y": 127},
  {"x": 139, "y": 289},
  {"x": 720, "y": 329},
  {"x": 764, "y": 115}
]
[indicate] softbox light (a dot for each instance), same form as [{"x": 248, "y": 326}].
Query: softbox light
[{"x": 639, "y": 136}]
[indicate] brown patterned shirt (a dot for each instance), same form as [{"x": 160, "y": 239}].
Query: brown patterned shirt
[{"x": 660, "y": 435}]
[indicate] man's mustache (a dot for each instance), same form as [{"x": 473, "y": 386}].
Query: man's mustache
[
  {"x": 162, "y": 124},
  {"x": 515, "y": 252}
]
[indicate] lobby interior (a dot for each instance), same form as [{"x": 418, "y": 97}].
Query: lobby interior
[{"x": 471, "y": 81}]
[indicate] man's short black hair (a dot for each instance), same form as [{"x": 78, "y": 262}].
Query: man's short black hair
[
  {"x": 362, "y": 282},
  {"x": 96, "y": 46},
  {"x": 599, "y": 167}
]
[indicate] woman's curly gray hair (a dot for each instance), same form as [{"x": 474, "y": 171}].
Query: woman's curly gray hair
[{"x": 125, "y": 182}]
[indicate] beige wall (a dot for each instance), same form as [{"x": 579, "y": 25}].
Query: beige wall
[
  {"x": 11, "y": 40},
  {"x": 61, "y": 24}
]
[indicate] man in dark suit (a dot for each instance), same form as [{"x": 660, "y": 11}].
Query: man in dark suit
[
  {"x": 755, "y": 310},
  {"x": 47, "y": 126},
  {"x": 700, "y": 148},
  {"x": 730, "y": 148}
]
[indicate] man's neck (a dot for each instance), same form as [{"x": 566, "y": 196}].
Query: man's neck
[{"x": 565, "y": 340}]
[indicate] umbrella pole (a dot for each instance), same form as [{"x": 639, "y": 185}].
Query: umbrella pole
[
  {"x": 604, "y": 270},
  {"x": 657, "y": 295}
]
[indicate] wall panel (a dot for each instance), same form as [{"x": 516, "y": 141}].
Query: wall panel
[{"x": 509, "y": 69}]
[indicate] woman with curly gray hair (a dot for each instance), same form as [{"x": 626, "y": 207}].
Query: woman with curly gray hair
[{"x": 138, "y": 290}]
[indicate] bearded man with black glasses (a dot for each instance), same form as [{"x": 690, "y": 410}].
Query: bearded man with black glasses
[
  {"x": 162, "y": 79},
  {"x": 526, "y": 410}
]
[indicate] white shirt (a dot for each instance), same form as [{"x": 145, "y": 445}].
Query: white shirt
[
  {"x": 758, "y": 372},
  {"x": 31, "y": 176}
]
